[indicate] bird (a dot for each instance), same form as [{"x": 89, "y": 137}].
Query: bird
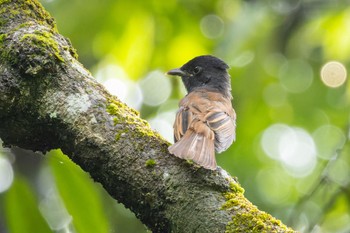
[{"x": 205, "y": 122}]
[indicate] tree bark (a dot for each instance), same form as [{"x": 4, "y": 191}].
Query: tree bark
[{"x": 49, "y": 100}]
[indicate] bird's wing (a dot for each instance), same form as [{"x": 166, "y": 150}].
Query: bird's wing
[
  {"x": 193, "y": 138},
  {"x": 214, "y": 110},
  {"x": 192, "y": 107},
  {"x": 224, "y": 127},
  {"x": 205, "y": 122},
  {"x": 182, "y": 121}
]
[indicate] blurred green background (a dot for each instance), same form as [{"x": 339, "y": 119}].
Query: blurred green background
[{"x": 292, "y": 149}]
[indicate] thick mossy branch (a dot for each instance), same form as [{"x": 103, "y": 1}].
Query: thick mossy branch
[{"x": 48, "y": 100}]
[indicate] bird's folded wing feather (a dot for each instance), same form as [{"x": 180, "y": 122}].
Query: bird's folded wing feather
[
  {"x": 224, "y": 127},
  {"x": 183, "y": 119},
  {"x": 202, "y": 110},
  {"x": 205, "y": 123}
]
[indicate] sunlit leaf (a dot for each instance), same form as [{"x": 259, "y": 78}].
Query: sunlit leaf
[
  {"x": 21, "y": 209},
  {"x": 79, "y": 194}
]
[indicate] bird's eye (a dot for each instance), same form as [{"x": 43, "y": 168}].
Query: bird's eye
[{"x": 197, "y": 69}]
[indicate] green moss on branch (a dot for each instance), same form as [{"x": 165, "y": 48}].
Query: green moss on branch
[
  {"x": 24, "y": 10},
  {"x": 151, "y": 163},
  {"x": 246, "y": 217},
  {"x": 44, "y": 42},
  {"x": 29, "y": 40},
  {"x": 130, "y": 119}
]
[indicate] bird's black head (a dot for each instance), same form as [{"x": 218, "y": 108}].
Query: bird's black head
[{"x": 205, "y": 71}]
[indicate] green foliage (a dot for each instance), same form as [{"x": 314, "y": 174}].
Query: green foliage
[
  {"x": 21, "y": 212},
  {"x": 78, "y": 193}
]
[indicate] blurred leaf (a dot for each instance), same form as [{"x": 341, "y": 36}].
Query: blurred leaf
[
  {"x": 79, "y": 194},
  {"x": 21, "y": 209},
  {"x": 338, "y": 218},
  {"x": 137, "y": 37},
  {"x": 329, "y": 30}
]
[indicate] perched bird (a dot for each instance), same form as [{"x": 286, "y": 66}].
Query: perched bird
[{"x": 205, "y": 121}]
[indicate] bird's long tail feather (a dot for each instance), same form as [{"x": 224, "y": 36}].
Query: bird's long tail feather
[{"x": 196, "y": 147}]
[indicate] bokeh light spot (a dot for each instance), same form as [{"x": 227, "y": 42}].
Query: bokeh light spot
[
  {"x": 339, "y": 172},
  {"x": 156, "y": 88},
  {"x": 297, "y": 152},
  {"x": 296, "y": 76},
  {"x": 270, "y": 139},
  {"x": 116, "y": 81},
  {"x": 292, "y": 146},
  {"x": 163, "y": 123},
  {"x": 328, "y": 139},
  {"x": 6, "y": 174},
  {"x": 116, "y": 87},
  {"x": 333, "y": 74},
  {"x": 212, "y": 26}
]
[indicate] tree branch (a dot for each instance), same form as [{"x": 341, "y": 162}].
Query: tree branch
[{"x": 48, "y": 100}]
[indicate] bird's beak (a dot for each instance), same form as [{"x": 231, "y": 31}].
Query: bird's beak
[{"x": 176, "y": 71}]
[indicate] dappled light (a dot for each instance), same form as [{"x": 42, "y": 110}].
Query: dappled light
[
  {"x": 127, "y": 90},
  {"x": 54, "y": 212},
  {"x": 329, "y": 139},
  {"x": 296, "y": 76},
  {"x": 333, "y": 74},
  {"x": 163, "y": 123},
  {"x": 292, "y": 146},
  {"x": 212, "y": 26},
  {"x": 6, "y": 174},
  {"x": 156, "y": 88}
]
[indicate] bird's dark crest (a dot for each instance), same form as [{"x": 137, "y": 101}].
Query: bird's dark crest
[{"x": 206, "y": 61}]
